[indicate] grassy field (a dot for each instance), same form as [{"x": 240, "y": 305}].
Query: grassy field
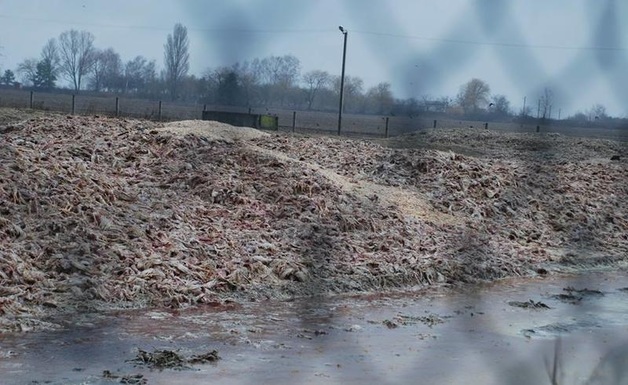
[{"x": 306, "y": 122}]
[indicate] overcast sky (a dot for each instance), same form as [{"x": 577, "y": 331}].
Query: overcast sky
[{"x": 422, "y": 47}]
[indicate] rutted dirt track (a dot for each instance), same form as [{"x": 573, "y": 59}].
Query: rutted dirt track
[{"x": 98, "y": 212}]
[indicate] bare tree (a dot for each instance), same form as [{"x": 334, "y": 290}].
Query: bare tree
[
  {"x": 50, "y": 54},
  {"x": 279, "y": 74},
  {"x": 98, "y": 71},
  {"x": 48, "y": 66},
  {"x": 139, "y": 74},
  {"x": 113, "y": 74},
  {"x": 500, "y": 105},
  {"x": 380, "y": 98},
  {"x": 27, "y": 70},
  {"x": 228, "y": 90},
  {"x": 41, "y": 73},
  {"x": 473, "y": 96},
  {"x": 76, "y": 50},
  {"x": 248, "y": 80},
  {"x": 598, "y": 112},
  {"x": 579, "y": 117},
  {"x": 278, "y": 69},
  {"x": 314, "y": 82},
  {"x": 353, "y": 92},
  {"x": 106, "y": 70},
  {"x": 545, "y": 102},
  {"x": 353, "y": 85},
  {"x": 176, "y": 58}
]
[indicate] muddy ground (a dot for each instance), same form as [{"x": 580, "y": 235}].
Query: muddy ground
[
  {"x": 100, "y": 213},
  {"x": 435, "y": 336}
]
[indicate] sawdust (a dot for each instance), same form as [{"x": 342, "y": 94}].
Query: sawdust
[
  {"x": 212, "y": 130},
  {"x": 408, "y": 202}
]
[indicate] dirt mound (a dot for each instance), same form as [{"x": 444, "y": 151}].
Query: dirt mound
[
  {"x": 212, "y": 130},
  {"x": 98, "y": 212}
]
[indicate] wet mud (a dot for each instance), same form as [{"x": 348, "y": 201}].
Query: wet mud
[{"x": 429, "y": 336}]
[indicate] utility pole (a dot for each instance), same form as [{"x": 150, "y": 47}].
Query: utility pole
[
  {"x": 538, "y": 110},
  {"x": 342, "y": 77}
]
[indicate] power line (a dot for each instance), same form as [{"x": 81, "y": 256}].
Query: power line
[
  {"x": 158, "y": 28},
  {"x": 496, "y": 44},
  {"x": 305, "y": 31}
]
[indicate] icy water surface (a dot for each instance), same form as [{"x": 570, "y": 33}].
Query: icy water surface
[{"x": 502, "y": 333}]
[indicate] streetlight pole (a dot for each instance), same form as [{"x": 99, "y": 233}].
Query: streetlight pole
[{"x": 342, "y": 77}]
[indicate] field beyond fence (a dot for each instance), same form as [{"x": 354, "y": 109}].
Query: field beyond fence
[{"x": 305, "y": 122}]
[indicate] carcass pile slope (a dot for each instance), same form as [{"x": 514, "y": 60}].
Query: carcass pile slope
[{"x": 99, "y": 211}]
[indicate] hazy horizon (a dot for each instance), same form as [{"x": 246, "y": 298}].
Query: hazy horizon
[{"x": 422, "y": 48}]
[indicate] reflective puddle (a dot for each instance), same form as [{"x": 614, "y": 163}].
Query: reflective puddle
[{"x": 502, "y": 333}]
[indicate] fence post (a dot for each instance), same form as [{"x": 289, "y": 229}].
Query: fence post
[
  {"x": 73, "y": 103},
  {"x": 538, "y": 128},
  {"x": 117, "y": 106},
  {"x": 159, "y": 113},
  {"x": 204, "y": 107},
  {"x": 435, "y": 121},
  {"x": 294, "y": 120},
  {"x": 386, "y": 134},
  {"x": 31, "y": 101},
  {"x": 486, "y": 126},
  {"x": 249, "y": 110}
]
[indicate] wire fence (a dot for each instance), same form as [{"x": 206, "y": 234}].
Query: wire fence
[
  {"x": 303, "y": 122},
  {"x": 314, "y": 122}
]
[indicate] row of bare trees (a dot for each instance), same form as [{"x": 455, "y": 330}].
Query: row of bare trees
[
  {"x": 475, "y": 100},
  {"x": 74, "y": 57},
  {"x": 277, "y": 81},
  {"x": 274, "y": 81}
]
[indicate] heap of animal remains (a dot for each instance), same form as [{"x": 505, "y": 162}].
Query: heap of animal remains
[{"x": 100, "y": 212}]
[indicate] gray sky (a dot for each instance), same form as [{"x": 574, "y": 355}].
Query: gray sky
[{"x": 422, "y": 47}]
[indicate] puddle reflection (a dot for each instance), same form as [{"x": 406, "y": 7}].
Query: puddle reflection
[{"x": 434, "y": 336}]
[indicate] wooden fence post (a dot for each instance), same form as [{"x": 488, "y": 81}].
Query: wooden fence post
[
  {"x": 117, "y": 107},
  {"x": 386, "y": 134},
  {"x": 159, "y": 113},
  {"x": 31, "y": 101},
  {"x": 73, "y": 103},
  {"x": 294, "y": 120},
  {"x": 435, "y": 121},
  {"x": 486, "y": 126}
]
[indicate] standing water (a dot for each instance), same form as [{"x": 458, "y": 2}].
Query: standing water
[{"x": 499, "y": 333}]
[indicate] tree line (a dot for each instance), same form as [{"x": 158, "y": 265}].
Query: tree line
[{"x": 274, "y": 81}]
